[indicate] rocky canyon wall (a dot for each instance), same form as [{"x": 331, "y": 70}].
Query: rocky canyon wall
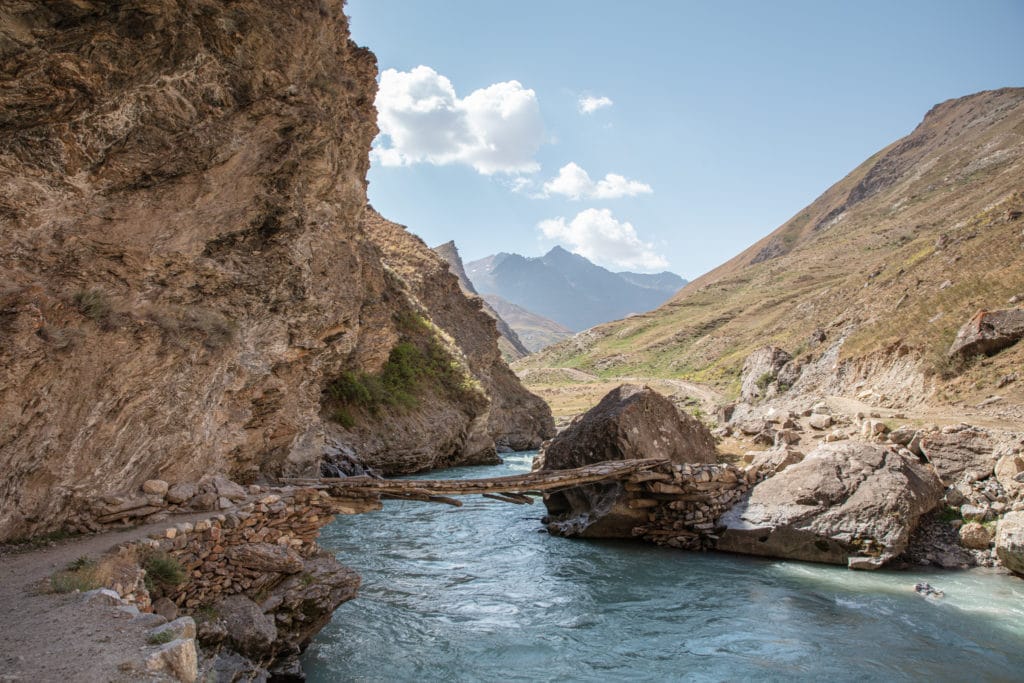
[{"x": 184, "y": 268}]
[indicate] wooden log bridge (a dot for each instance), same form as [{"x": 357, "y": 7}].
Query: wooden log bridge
[{"x": 516, "y": 488}]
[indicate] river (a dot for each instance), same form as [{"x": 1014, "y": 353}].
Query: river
[{"x": 480, "y": 593}]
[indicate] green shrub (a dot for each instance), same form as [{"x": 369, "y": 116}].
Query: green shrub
[
  {"x": 95, "y": 305},
  {"x": 343, "y": 417},
  {"x": 413, "y": 368},
  {"x": 160, "y": 638},
  {"x": 764, "y": 380},
  {"x": 81, "y": 563},
  {"x": 949, "y": 514},
  {"x": 79, "y": 575},
  {"x": 162, "y": 572}
]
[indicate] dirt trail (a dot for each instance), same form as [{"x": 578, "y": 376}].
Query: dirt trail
[
  {"x": 702, "y": 392},
  {"x": 50, "y": 637},
  {"x": 939, "y": 415}
]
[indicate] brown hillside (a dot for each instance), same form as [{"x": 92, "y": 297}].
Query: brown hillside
[
  {"x": 868, "y": 284},
  {"x": 185, "y": 280}
]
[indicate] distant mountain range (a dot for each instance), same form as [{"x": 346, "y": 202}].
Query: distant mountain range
[
  {"x": 535, "y": 331},
  {"x": 569, "y": 289}
]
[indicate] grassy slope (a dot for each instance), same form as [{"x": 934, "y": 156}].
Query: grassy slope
[{"x": 878, "y": 269}]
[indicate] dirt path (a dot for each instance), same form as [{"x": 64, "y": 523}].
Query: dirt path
[
  {"x": 941, "y": 415},
  {"x": 703, "y": 393},
  {"x": 47, "y": 637}
]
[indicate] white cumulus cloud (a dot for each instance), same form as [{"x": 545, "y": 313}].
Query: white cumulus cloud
[
  {"x": 497, "y": 129},
  {"x": 574, "y": 182},
  {"x": 588, "y": 105},
  {"x": 599, "y": 236}
]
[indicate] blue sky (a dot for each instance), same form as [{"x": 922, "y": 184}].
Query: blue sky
[{"x": 726, "y": 118}]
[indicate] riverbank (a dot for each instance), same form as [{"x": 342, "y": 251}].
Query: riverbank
[
  {"x": 482, "y": 593},
  {"x": 48, "y": 636},
  {"x": 437, "y": 573}
]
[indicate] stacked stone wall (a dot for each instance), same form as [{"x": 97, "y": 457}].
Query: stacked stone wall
[{"x": 684, "y": 501}]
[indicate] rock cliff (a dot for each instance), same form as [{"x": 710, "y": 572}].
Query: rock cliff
[
  {"x": 512, "y": 347},
  {"x": 184, "y": 270}
]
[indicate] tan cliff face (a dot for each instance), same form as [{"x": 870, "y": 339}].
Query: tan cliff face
[
  {"x": 509, "y": 343},
  {"x": 510, "y": 418},
  {"x": 182, "y": 265}
]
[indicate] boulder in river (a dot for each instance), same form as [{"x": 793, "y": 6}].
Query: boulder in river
[
  {"x": 631, "y": 422},
  {"x": 848, "y": 503}
]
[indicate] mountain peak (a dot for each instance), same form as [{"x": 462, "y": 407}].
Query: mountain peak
[{"x": 569, "y": 288}]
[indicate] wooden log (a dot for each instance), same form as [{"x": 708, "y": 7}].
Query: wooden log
[
  {"x": 506, "y": 498},
  {"x": 661, "y": 487},
  {"x": 424, "y": 498},
  {"x": 640, "y": 477}
]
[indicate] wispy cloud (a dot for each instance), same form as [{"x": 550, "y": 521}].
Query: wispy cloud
[
  {"x": 590, "y": 104},
  {"x": 599, "y": 236},
  {"x": 497, "y": 129},
  {"x": 574, "y": 182}
]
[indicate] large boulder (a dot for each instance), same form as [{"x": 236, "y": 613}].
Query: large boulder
[
  {"x": 250, "y": 631},
  {"x": 303, "y": 603},
  {"x": 178, "y": 659},
  {"x": 965, "y": 453},
  {"x": 1009, "y": 472},
  {"x": 989, "y": 332},
  {"x": 631, "y": 422},
  {"x": 1010, "y": 541},
  {"x": 760, "y": 370},
  {"x": 848, "y": 503}
]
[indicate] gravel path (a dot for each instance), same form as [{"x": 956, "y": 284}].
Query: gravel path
[{"x": 47, "y": 637}]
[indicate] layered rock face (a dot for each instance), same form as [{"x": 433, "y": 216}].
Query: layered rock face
[
  {"x": 631, "y": 422},
  {"x": 183, "y": 268},
  {"x": 511, "y": 346},
  {"x": 507, "y": 416},
  {"x": 850, "y": 503}
]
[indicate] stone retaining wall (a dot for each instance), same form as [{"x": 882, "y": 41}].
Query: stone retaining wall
[
  {"x": 254, "y": 576},
  {"x": 251, "y": 547},
  {"x": 684, "y": 501}
]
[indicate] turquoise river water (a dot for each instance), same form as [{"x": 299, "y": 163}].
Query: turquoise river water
[{"x": 478, "y": 594}]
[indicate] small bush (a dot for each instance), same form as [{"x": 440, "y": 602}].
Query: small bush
[
  {"x": 344, "y": 418},
  {"x": 412, "y": 369},
  {"x": 950, "y": 514},
  {"x": 160, "y": 638},
  {"x": 177, "y": 325},
  {"x": 96, "y": 305},
  {"x": 217, "y": 330},
  {"x": 57, "y": 337},
  {"x": 81, "y": 563},
  {"x": 93, "y": 303},
  {"x": 764, "y": 380},
  {"x": 162, "y": 572},
  {"x": 79, "y": 575}
]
